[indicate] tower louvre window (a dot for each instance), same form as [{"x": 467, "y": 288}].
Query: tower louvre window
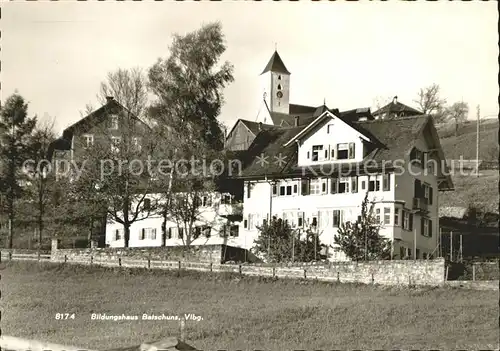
[
  {"x": 279, "y": 76},
  {"x": 279, "y": 87}
]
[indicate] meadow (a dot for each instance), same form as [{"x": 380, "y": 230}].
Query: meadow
[{"x": 238, "y": 313}]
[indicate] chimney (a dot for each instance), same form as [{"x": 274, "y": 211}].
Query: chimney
[
  {"x": 109, "y": 98},
  {"x": 296, "y": 121},
  {"x": 260, "y": 126},
  {"x": 395, "y": 100}
]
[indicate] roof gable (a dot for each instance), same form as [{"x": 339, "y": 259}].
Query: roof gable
[
  {"x": 395, "y": 106},
  {"x": 275, "y": 64},
  {"x": 319, "y": 121}
]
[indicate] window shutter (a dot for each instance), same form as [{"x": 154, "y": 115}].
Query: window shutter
[
  {"x": 169, "y": 236},
  {"x": 387, "y": 182},
  {"x": 304, "y": 187},
  {"x": 143, "y": 234},
  {"x": 326, "y": 154},
  {"x": 275, "y": 189},
  {"x": 422, "y": 220},
  {"x": 430, "y": 195},
  {"x": 430, "y": 228},
  {"x": 300, "y": 219},
  {"x": 245, "y": 223},
  {"x": 308, "y": 155},
  {"x": 333, "y": 153},
  {"x": 323, "y": 186},
  {"x": 411, "y": 221},
  {"x": 351, "y": 150},
  {"x": 418, "y": 188},
  {"x": 354, "y": 184},
  {"x": 333, "y": 188}
]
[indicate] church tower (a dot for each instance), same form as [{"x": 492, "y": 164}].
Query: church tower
[{"x": 275, "y": 81}]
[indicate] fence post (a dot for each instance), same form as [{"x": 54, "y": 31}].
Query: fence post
[
  {"x": 211, "y": 266},
  {"x": 305, "y": 273},
  {"x": 10, "y": 255},
  {"x": 91, "y": 259},
  {"x": 179, "y": 270},
  {"x": 65, "y": 258},
  {"x": 274, "y": 271},
  {"x": 149, "y": 263},
  {"x": 473, "y": 272},
  {"x": 239, "y": 269},
  {"x": 338, "y": 277},
  {"x": 373, "y": 279},
  {"x": 182, "y": 327},
  {"x": 119, "y": 261}
]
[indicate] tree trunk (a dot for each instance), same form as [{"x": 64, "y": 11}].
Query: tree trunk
[
  {"x": 456, "y": 129},
  {"x": 40, "y": 214},
  {"x": 11, "y": 221},
  {"x": 89, "y": 235}
]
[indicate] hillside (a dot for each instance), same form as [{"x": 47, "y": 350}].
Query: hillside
[
  {"x": 465, "y": 144},
  {"x": 480, "y": 191}
]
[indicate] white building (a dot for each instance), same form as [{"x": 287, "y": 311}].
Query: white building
[
  {"x": 216, "y": 223},
  {"x": 319, "y": 172}
]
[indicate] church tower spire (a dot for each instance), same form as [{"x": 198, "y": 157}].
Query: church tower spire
[{"x": 275, "y": 80}]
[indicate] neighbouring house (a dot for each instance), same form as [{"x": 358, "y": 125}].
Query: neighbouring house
[
  {"x": 216, "y": 221},
  {"x": 316, "y": 175},
  {"x": 395, "y": 109}
]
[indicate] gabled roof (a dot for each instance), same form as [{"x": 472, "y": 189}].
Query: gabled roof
[
  {"x": 252, "y": 126},
  {"x": 275, "y": 64},
  {"x": 392, "y": 140},
  {"x": 306, "y": 115},
  {"x": 395, "y": 106},
  {"x": 357, "y": 113},
  {"x": 327, "y": 115}
]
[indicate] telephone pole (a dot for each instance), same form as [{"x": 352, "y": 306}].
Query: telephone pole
[{"x": 477, "y": 141}]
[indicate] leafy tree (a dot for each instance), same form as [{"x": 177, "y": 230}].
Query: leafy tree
[
  {"x": 458, "y": 112},
  {"x": 278, "y": 242},
  {"x": 429, "y": 102},
  {"x": 188, "y": 86},
  {"x": 38, "y": 170},
  {"x": 15, "y": 131},
  {"x": 360, "y": 240}
]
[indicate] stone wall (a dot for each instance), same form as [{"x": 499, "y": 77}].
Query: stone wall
[
  {"x": 208, "y": 259},
  {"x": 208, "y": 253}
]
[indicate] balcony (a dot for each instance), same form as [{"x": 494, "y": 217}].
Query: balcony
[
  {"x": 233, "y": 210},
  {"x": 420, "y": 204}
]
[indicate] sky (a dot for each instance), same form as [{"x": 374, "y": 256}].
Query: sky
[{"x": 55, "y": 54}]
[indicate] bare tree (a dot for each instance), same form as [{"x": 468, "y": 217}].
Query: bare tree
[
  {"x": 128, "y": 87},
  {"x": 458, "y": 112},
  {"x": 429, "y": 102}
]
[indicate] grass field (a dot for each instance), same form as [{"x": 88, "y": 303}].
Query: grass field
[
  {"x": 482, "y": 191},
  {"x": 244, "y": 314}
]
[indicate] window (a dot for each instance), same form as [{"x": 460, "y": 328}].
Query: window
[
  {"x": 396, "y": 216},
  {"x": 363, "y": 185},
  {"x": 250, "y": 222},
  {"x": 377, "y": 214},
  {"x": 275, "y": 189},
  {"x": 342, "y": 151},
  {"x": 407, "y": 220},
  {"x": 387, "y": 215},
  {"x": 88, "y": 140},
  {"x": 233, "y": 230},
  {"x": 374, "y": 185},
  {"x": 118, "y": 234},
  {"x": 249, "y": 190},
  {"x": 113, "y": 122},
  {"x": 354, "y": 184},
  {"x": 426, "y": 227},
  {"x": 115, "y": 142},
  {"x": 136, "y": 144},
  {"x": 300, "y": 219},
  {"x": 336, "y": 219},
  {"x": 245, "y": 224},
  {"x": 206, "y": 201},
  {"x": 225, "y": 199},
  {"x": 314, "y": 220},
  {"x": 317, "y": 154},
  {"x": 329, "y": 129},
  {"x": 344, "y": 185},
  {"x": 317, "y": 186},
  {"x": 386, "y": 182},
  {"x": 146, "y": 204},
  {"x": 295, "y": 188},
  {"x": 147, "y": 233},
  {"x": 282, "y": 190},
  {"x": 181, "y": 232}
]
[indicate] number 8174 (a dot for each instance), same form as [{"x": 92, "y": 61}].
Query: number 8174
[{"x": 65, "y": 316}]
